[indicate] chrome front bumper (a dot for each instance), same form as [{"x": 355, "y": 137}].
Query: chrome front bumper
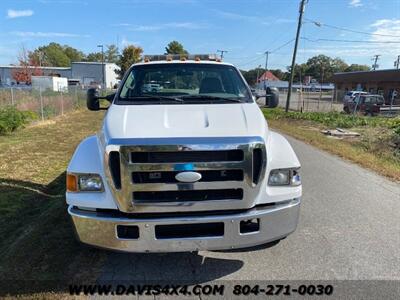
[{"x": 100, "y": 230}]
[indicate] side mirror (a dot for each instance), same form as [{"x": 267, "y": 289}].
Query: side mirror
[
  {"x": 272, "y": 97},
  {"x": 92, "y": 99}
]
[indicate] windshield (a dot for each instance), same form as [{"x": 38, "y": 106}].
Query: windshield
[{"x": 179, "y": 83}]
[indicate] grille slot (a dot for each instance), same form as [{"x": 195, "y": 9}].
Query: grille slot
[
  {"x": 169, "y": 177},
  {"x": 257, "y": 164},
  {"x": 115, "y": 168},
  {"x": 189, "y": 230},
  {"x": 187, "y": 195},
  {"x": 187, "y": 156},
  {"x": 148, "y": 166}
]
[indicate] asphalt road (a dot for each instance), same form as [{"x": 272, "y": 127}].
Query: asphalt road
[{"x": 349, "y": 229}]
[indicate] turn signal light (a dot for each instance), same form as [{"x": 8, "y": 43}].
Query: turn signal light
[{"x": 72, "y": 183}]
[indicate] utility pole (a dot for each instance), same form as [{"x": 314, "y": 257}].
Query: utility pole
[
  {"x": 397, "y": 62},
  {"x": 301, "y": 11},
  {"x": 222, "y": 53},
  {"x": 258, "y": 73},
  {"x": 375, "y": 58},
  {"x": 102, "y": 65}
]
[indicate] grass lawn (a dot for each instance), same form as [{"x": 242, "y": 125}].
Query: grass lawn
[
  {"x": 39, "y": 255},
  {"x": 38, "y": 241},
  {"x": 374, "y": 149}
]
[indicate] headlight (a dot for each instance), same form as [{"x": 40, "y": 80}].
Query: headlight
[
  {"x": 281, "y": 177},
  {"x": 84, "y": 183}
]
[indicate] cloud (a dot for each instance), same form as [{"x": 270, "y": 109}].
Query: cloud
[
  {"x": 387, "y": 30},
  {"x": 143, "y": 28},
  {"x": 240, "y": 17},
  {"x": 74, "y": 2},
  {"x": 384, "y": 30},
  {"x": 157, "y": 27},
  {"x": 251, "y": 18},
  {"x": 284, "y": 20},
  {"x": 186, "y": 25},
  {"x": 355, "y": 3},
  {"x": 11, "y": 13},
  {"x": 125, "y": 42},
  {"x": 40, "y": 34}
]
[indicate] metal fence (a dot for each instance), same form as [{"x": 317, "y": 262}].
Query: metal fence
[
  {"x": 312, "y": 101},
  {"x": 324, "y": 101},
  {"x": 45, "y": 103}
]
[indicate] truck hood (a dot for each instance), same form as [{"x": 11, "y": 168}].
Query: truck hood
[{"x": 160, "y": 121}]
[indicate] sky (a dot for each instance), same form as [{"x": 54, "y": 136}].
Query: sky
[{"x": 244, "y": 28}]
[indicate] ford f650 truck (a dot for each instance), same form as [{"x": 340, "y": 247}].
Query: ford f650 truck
[{"x": 189, "y": 166}]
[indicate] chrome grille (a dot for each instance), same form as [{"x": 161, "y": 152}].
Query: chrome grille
[{"x": 231, "y": 169}]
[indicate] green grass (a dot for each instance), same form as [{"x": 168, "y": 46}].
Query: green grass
[
  {"x": 38, "y": 240},
  {"x": 333, "y": 119}
]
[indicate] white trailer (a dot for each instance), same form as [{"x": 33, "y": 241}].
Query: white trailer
[{"x": 57, "y": 84}]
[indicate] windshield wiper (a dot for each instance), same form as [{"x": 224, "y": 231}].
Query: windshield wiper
[
  {"x": 156, "y": 97},
  {"x": 209, "y": 97}
]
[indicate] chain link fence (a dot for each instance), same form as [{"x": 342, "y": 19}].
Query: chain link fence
[
  {"x": 45, "y": 103},
  {"x": 308, "y": 101}
]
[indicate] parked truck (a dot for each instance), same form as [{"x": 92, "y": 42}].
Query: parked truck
[{"x": 190, "y": 166}]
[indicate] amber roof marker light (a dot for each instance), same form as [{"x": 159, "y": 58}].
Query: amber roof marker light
[{"x": 180, "y": 57}]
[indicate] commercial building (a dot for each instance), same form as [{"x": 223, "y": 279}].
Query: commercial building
[
  {"x": 83, "y": 73},
  {"x": 270, "y": 80},
  {"x": 383, "y": 82}
]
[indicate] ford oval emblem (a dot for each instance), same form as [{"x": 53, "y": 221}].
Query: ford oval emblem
[{"x": 188, "y": 176}]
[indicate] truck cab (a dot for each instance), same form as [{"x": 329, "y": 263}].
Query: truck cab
[{"x": 191, "y": 165}]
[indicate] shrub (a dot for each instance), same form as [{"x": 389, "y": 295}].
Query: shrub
[
  {"x": 333, "y": 119},
  {"x": 12, "y": 119},
  {"x": 49, "y": 111}
]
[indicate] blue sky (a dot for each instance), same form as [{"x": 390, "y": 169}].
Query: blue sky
[{"x": 245, "y": 28}]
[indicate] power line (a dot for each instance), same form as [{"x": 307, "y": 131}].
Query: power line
[
  {"x": 264, "y": 52},
  {"x": 251, "y": 61},
  {"x": 319, "y": 24},
  {"x": 349, "y": 41},
  {"x": 280, "y": 47}
]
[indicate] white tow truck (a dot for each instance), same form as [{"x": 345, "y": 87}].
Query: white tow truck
[{"x": 186, "y": 167}]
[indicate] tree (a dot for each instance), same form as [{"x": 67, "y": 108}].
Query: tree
[
  {"x": 73, "y": 54},
  {"x": 94, "y": 56},
  {"x": 251, "y": 75},
  {"x": 28, "y": 68},
  {"x": 175, "y": 47},
  {"x": 299, "y": 72},
  {"x": 55, "y": 55},
  {"x": 130, "y": 54},
  {"x": 279, "y": 73},
  {"x": 112, "y": 53},
  {"x": 323, "y": 67}
]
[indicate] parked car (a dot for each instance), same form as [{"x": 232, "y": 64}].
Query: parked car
[
  {"x": 367, "y": 104},
  {"x": 151, "y": 87},
  {"x": 190, "y": 168},
  {"x": 350, "y": 96}
]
